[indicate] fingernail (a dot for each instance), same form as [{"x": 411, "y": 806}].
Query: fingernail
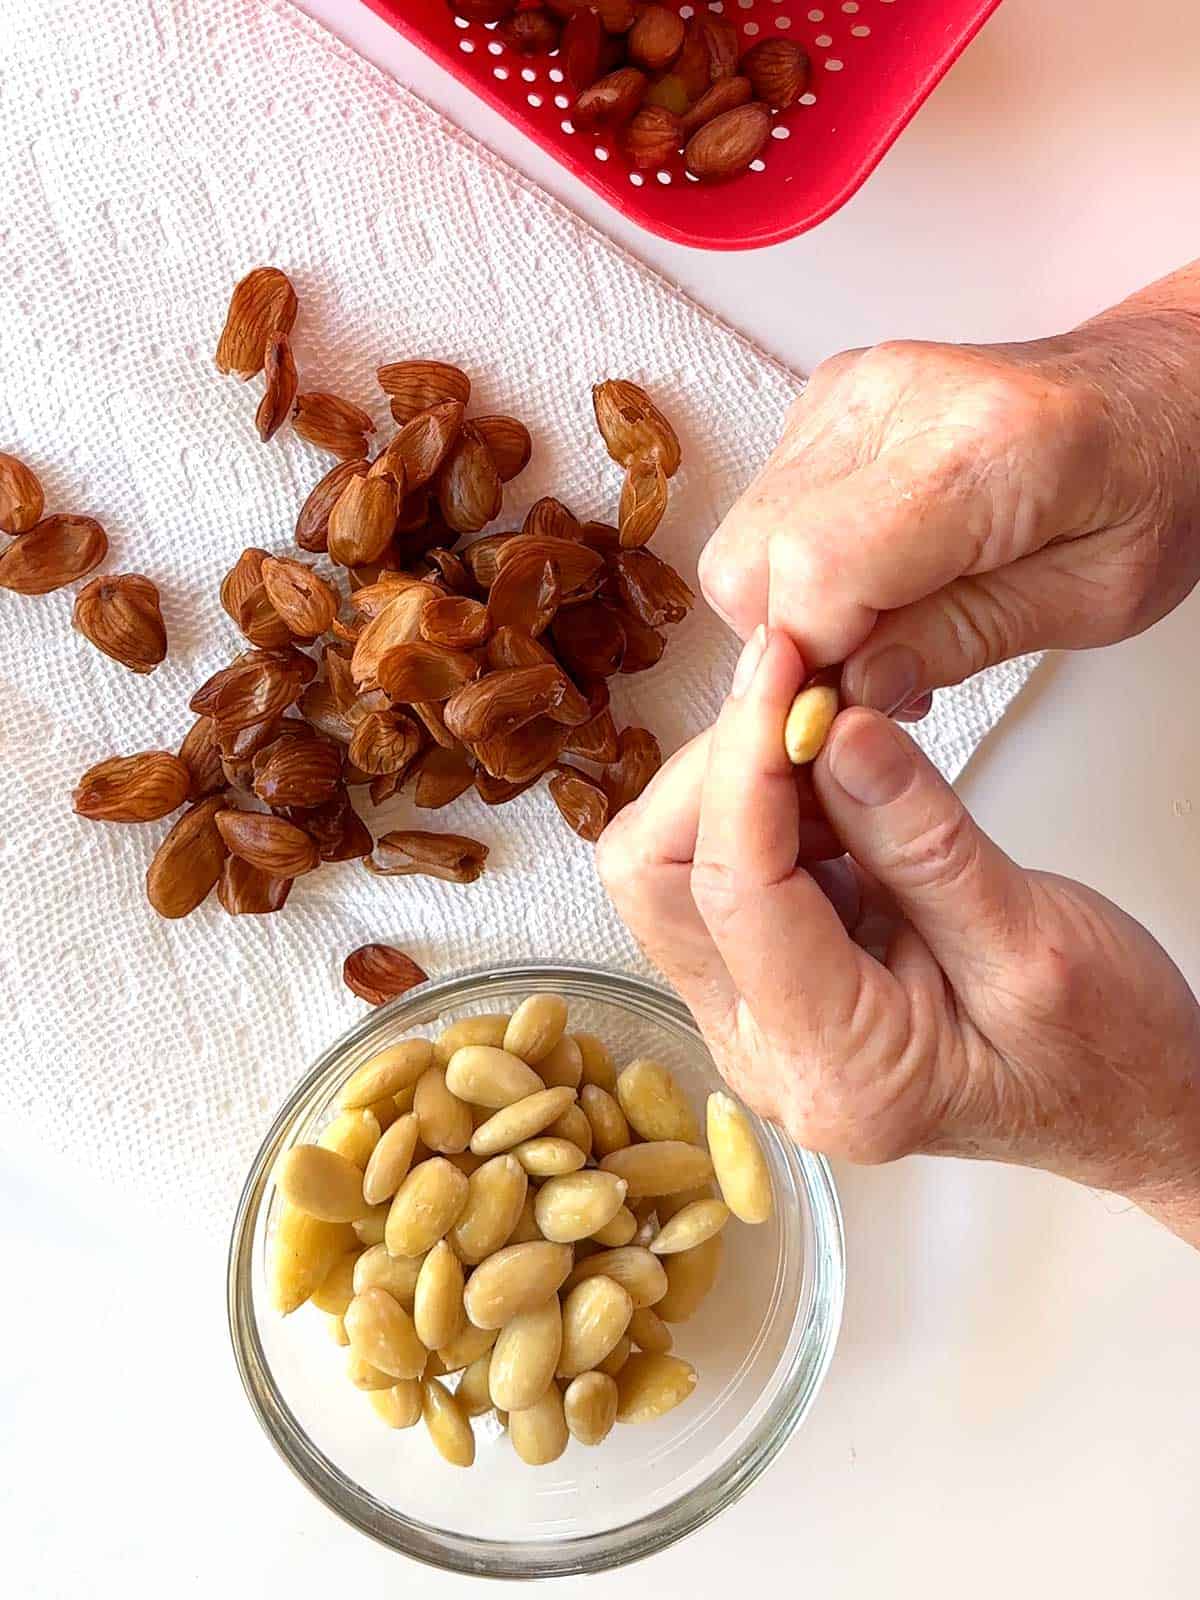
[
  {"x": 871, "y": 760},
  {"x": 916, "y": 710},
  {"x": 752, "y": 654},
  {"x": 887, "y": 681}
]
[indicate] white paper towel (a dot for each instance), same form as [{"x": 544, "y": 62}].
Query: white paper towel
[{"x": 149, "y": 155}]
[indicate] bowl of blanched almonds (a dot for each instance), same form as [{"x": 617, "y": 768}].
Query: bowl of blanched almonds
[{"x": 517, "y": 1287}]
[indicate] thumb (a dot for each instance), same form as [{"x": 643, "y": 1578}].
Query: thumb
[{"x": 901, "y": 821}]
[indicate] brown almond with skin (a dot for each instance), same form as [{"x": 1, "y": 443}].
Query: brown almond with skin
[
  {"x": 378, "y": 973},
  {"x": 450, "y": 856},
  {"x": 729, "y": 143},
  {"x": 421, "y": 671},
  {"x": 611, "y": 100},
  {"x": 643, "y": 646},
  {"x": 385, "y": 741},
  {"x": 643, "y": 501},
  {"x": 305, "y": 601},
  {"x": 397, "y": 622},
  {"x": 282, "y": 382},
  {"x": 312, "y": 525},
  {"x": 22, "y": 500},
  {"x": 580, "y": 570},
  {"x": 583, "y": 803},
  {"x": 508, "y": 440},
  {"x": 531, "y": 33},
  {"x": 521, "y": 757},
  {"x": 331, "y": 423},
  {"x": 470, "y": 492},
  {"x": 278, "y": 848},
  {"x": 721, "y": 47},
  {"x": 244, "y": 891},
  {"x": 56, "y": 551},
  {"x": 692, "y": 65},
  {"x": 638, "y": 758},
  {"x": 653, "y": 138},
  {"x": 649, "y": 588},
  {"x": 414, "y": 386},
  {"x": 303, "y": 771},
  {"x": 138, "y": 788},
  {"x": 263, "y": 304},
  {"x": 202, "y": 758},
  {"x": 548, "y": 518},
  {"x": 725, "y": 95},
  {"x": 526, "y": 594},
  {"x": 779, "y": 71},
  {"x": 590, "y": 640},
  {"x": 244, "y": 599},
  {"x": 121, "y": 617},
  {"x": 361, "y": 524},
  {"x": 441, "y": 776},
  {"x": 502, "y": 702},
  {"x": 456, "y": 621},
  {"x": 581, "y": 49},
  {"x": 632, "y": 425},
  {"x": 256, "y": 686},
  {"x": 187, "y": 863},
  {"x": 617, "y": 16},
  {"x": 655, "y": 39}
]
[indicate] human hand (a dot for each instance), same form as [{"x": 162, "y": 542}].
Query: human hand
[
  {"x": 933, "y": 509},
  {"x": 926, "y": 995}
]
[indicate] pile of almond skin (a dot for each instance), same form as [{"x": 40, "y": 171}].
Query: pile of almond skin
[
  {"x": 657, "y": 82},
  {"x": 402, "y": 659}
]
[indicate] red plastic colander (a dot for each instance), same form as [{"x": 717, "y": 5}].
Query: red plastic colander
[{"x": 874, "y": 62}]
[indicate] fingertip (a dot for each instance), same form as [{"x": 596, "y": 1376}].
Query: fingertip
[{"x": 867, "y": 758}]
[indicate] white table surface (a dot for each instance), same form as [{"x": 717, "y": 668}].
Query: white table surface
[{"x": 1015, "y": 1403}]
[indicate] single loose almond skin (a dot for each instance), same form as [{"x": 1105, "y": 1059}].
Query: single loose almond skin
[
  {"x": 264, "y": 303},
  {"x": 21, "y": 498},
  {"x": 312, "y": 525},
  {"x": 244, "y": 891},
  {"x": 138, "y": 788},
  {"x": 56, "y": 551},
  {"x": 202, "y": 757},
  {"x": 450, "y": 856},
  {"x": 331, "y": 423},
  {"x": 305, "y": 601},
  {"x": 121, "y": 617},
  {"x": 632, "y": 425},
  {"x": 414, "y": 386},
  {"x": 638, "y": 759},
  {"x": 301, "y": 770},
  {"x": 361, "y": 524},
  {"x": 282, "y": 381},
  {"x": 378, "y": 973},
  {"x": 507, "y": 440},
  {"x": 583, "y": 803},
  {"x": 470, "y": 491},
  {"x": 188, "y": 862},
  {"x": 245, "y": 600},
  {"x": 278, "y": 848},
  {"x": 643, "y": 501}
]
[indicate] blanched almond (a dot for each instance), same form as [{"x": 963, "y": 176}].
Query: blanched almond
[
  {"x": 393, "y": 1069},
  {"x": 427, "y": 1205},
  {"x": 617, "y": 1357},
  {"x": 741, "y": 1167},
  {"x": 619, "y": 1231},
  {"x": 303, "y": 1250},
  {"x": 536, "y": 1027},
  {"x": 353, "y": 1134},
  {"x": 650, "y": 1384},
  {"x": 390, "y": 1160},
  {"x": 438, "y": 1301},
  {"x": 520, "y": 1121},
  {"x": 659, "y": 1167},
  {"x": 321, "y": 1182},
  {"x": 595, "y": 1314},
  {"x": 649, "y": 1332},
  {"x": 399, "y": 1406},
  {"x": 515, "y": 1279},
  {"x": 382, "y": 1333},
  {"x": 488, "y": 1030},
  {"x": 576, "y": 1205},
  {"x": 638, "y": 1272},
  {"x": 376, "y": 1269},
  {"x": 526, "y": 1230},
  {"x": 610, "y": 1131},
  {"x": 445, "y": 1120},
  {"x": 495, "y": 1196},
  {"x": 448, "y": 1424},
  {"x": 474, "y": 1390},
  {"x": 548, "y": 1157},
  {"x": 539, "y": 1432},
  {"x": 336, "y": 1289},
  {"x": 690, "y": 1227},
  {"x": 653, "y": 1103},
  {"x": 468, "y": 1344},
  {"x": 490, "y": 1077},
  {"x": 365, "y": 1376},
  {"x": 369, "y": 1229},
  {"x": 525, "y": 1356},
  {"x": 590, "y": 1407},
  {"x": 597, "y": 1063},
  {"x": 690, "y": 1276},
  {"x": 573, "y": 1125}
]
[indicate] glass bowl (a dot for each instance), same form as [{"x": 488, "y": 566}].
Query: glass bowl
[{"x": 761, "y": 1342}]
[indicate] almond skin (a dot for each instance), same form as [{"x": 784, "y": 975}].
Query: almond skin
[
  {"x": 297, "y": 770},
  {"x": 263, "y": 303},
  {"x": 378, "y": 973},
  {"x": 331, "y": 423},
  {"x": 312, "y": 525},
  {"x": 278, "y": 848},
  {"x": 244, "y": 891},
  {"x": 56, "y": 551},
  {"x": 779, "y": 70},
  {"x": 549, "y": 518},
  {"x": 258, "y": 685},
  {"x": 531, "y": 33},
  {"x": 138, "y": 788},
  {"x": 385, "y": 741},
  {"x": 503, "y": 702},
  {"x": 632, "y": 425},
  {"x": 282, "y": 381},
  {"x": 507, "y": 439},
  {"x": 361, "y": 524},
  {"x": 451, "y": 856},
  {"x": 643, "y": 501},
  {"x": 470, "y": 492},
  {"x": 638, "y": 759},
  {"x": 729, "y": 143},
  {"x": 245, "y": 600},
  {"x": 652, "y": 590},
  {"x": 653, "y": 138},
  {"x": 305, "y": 601},
  {"x": 21, "y": 498},
  {"x": 414, "y": 386},
  {"x": 201, "y": 756},
  {"x": 416, "y": 454},
  {"x": 188, "y": 862},
  {"x": 581, "y": 800},
  {"x": 121, "y": 617}
]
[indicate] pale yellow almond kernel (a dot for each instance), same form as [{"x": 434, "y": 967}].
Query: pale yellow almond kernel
[
  {"x": 562, "y": 1065},
  {"x": 466, "y": 1347},
  {"x": 445, "y": 1120},
  {"x": 387, "y": 1108},
  {"x": 597, "y": 1062},
  {"x": 399, "y": 1406},
  {"x": 390, "y": 1160},
  {"x": 427, "y": 1205},
  {"x": 617, "y": 1232},
  {"x": 495, "y": 1196},
  {"x": 525, "y": 1356},
  {"x": 489, "y": 1077},
  {"x": 610, "y": 1131},
  {"x": 369, "y": 1229},
  {"x": 473, "y": 1393},
  {"x": 616, "y": 1359},
  {"x": 654, "y": 1104},
  {"x": 545, "y": 1157},
  {"x": 741, "y": 1168},
  {"x": 590, "y": 1407},
  {"x": 515, "y": 1279},
  {"x": 387, "y": 1073},
  {"x": 321, "y": 1182},
  {"x": 641, "y": 1274},
  {"x": 467, "y": 1162},
  {"x": 402, "y": 1100},
  {"x": 535, "y": 1027},
  {"x": 661, "y": 1167},
  {"x": 690, "y": 1275},
  {"x": 435, "y": 1367},
  {"x": 489, "y": 1030},
  {"x": 576, "y": 1205},
  {"x": 692, "y": 1226},
  {"x": 649, "y": 1332},
  {"x": 539, "y": 1433},
  {"x": 595, "y": 1315},
  {"x": 521, "y": 1121},
  {"x": 808, "y": 723},
  {"x": 649, "y": 1385},
  {"x": 670, "y": 1205},
  {"x": 336, "y": 1289},
  {"x": 303, "y": 1249},
  {"x": 364, "y": 1376},
  {"x": 573, "y": 1125},
  {"x": 337, "y": 1331},
  {"x": 526, "y": 1230},
  {"x": 353, "y": 1134},
  {"x": 448, "y": 1424},
  {"x": 382, "y": 1333},
  {"x": 438, "y": 1299},
  {"x": 376, "y": 1269}
]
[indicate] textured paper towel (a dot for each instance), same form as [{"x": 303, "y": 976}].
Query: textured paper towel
[{"x": 144, "y": 168}]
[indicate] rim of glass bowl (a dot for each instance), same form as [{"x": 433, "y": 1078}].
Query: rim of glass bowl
[{"x": 595, "y": 1552}]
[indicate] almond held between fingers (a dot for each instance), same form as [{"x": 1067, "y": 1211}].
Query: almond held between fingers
[
  {"x": 245, "y": 891},
  {"x": 312, "y": 525},
  {"x": 654, "y": 1105},
  {"x": 427, "y": 1205},
  {"x": 360, "y": 526},
  {"x": 450, "y": 856},
  {"x": 581, "y": 800},
  {"x": 187, "y": 863},
  {"x": 469, "y": 488},
  {"x": 320, "y": 1182},
  {"x": 139, "y": 788},
  {"x": 729, "y": 143},
  {"x": 282, "y": 382},
  {"x": 507, "y": 440},
  {"x": 331, "y": 423},
  {"x": 416, "y": 386},
  {"x": 649, "y": 1385},
  {"x": 263, "y": 304},
  {"x": 21, "y": 498},
  {"x": 274, "y": 846},
  {"x": 378, "y": 973},
  {"x": 56, "y": 551},
  {"x": 809, "y": 720},
  {"x": 495, "y": 1197},
  {"x": 514, "y": 1279},
  {"x": 525, "y": 1355}
]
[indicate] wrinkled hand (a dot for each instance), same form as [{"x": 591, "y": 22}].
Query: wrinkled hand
[
  {"x": 926, "y": 995},
  {"x": 934, "y": 509}
]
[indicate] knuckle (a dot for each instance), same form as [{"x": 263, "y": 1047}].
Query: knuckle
[
  {"x": 982, "y": 627},
  {"x": 716, "y": 890},
  {"x": 942, "y": 856},
  {"x": 620, "y": 860}
]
